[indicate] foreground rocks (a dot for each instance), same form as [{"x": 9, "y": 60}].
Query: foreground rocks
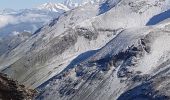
[{"x": 11, "y": 90}]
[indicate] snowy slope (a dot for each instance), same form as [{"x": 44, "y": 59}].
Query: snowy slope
[
  {"x": 29, "y": 20},
  {"x": 135, "y": 64},
  {"x": 127, "y": 14},
  {"x": 53, "y": 47},
  {"x": 75, "y": 49}
]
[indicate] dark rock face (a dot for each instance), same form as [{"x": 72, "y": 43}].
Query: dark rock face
[{"x": 11, "y": 90}]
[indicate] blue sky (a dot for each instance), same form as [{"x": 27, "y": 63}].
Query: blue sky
[{"x": 20, "y": 4}]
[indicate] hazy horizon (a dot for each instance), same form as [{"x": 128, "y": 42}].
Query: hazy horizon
[{"x": 21, "y": 4}]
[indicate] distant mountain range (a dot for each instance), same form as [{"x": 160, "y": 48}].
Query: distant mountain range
[
  {"x": 15, "y": 23},
  {"x": 75, "y": 3},
  {"x": 18, "y": 25},
  {"x": 54, "y": 7},
  {"x": 28, "y": 20}
]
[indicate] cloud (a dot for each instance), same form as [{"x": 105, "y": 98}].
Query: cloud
[
  {"x": 15, "y": 33},
  {"x": 7, "y": 19},
  {"x": 31, "y": 18}
]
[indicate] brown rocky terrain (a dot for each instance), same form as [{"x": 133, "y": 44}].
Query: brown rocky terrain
[{"x": 11, "y": 90}]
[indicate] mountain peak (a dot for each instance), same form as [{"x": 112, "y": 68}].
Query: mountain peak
[
  {"x": 76, "y": 3},
  {"x": 55, "y": 7}
]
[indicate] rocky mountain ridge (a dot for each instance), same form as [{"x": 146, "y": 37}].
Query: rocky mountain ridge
[{"x": 97, "y": 52}]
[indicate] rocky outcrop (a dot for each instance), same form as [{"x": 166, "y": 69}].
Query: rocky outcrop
[{"x": 11, "y": 90}]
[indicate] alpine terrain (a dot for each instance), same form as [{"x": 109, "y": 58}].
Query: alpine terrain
[
  {"x": 94, "y": 50},
  {"x": 17, "y": 26}
]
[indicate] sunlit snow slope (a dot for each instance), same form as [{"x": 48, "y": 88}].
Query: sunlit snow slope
[
  {"x": 97, "y": 51},
  {"x": 134, "y": 65}
]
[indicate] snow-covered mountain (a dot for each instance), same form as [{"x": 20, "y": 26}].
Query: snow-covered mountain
[
  {"x": 97, "y": 51},
  {"x": 75, "y": 3},
  {"x": 137, "y": 67},
  {"x": 29, "y": 19},
  {"x": 7, "y": 11},
  {"x": 60, "y": 41},
  {"x": 14, "y": 23},
  {"x": 55, "y": 7}
]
